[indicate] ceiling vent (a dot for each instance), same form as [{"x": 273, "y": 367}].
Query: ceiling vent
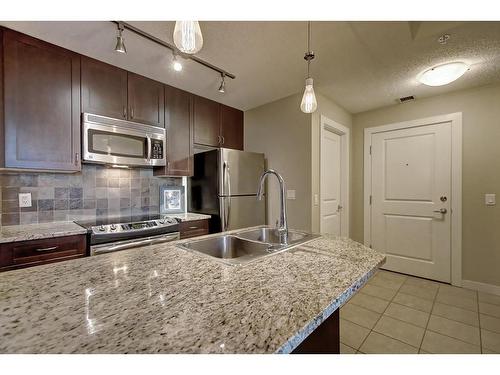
[{"x": 405, "y": 99}]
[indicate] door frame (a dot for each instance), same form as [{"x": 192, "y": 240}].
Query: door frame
[
  {"x": 345, "y": 139},
  {"x": 456, "y": 182}
]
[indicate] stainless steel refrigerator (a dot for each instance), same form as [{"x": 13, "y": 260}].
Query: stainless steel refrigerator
[{"x": 224, "y": 185}]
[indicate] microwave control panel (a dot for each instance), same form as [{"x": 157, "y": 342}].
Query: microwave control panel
[{"x": 156, "y": 149}]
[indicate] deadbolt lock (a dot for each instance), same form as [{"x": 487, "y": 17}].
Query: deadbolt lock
[{"x": 443, "y": 199}]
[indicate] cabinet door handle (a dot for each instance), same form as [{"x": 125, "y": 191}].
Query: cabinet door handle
[
  {"x": 77, "y": 158},
  {"x": 131, "y": 112},
  {"x": 124, "y": 111},
  {"x": 222, "y": 137},
  {"x": 47, "y": 249}
]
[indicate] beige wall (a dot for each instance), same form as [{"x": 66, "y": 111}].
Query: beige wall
[
  {"x": 480, "y": 109},
  {"x": 334, "y": 112},
  {"x": 282, "y": 132},
  {"x": 290, "y": 140}
]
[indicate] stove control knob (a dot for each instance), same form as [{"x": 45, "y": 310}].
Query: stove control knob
[
  {"x": 101, "y": 228},
  {"x": 162, "y": 221},
  {"x": 113, "y": 227}
]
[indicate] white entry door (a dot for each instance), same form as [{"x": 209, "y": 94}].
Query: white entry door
[
  {"x": 410, "y": 210},
  {"x": 331, "y": 171}
]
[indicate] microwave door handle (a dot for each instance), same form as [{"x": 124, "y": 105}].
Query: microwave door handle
[{"x": 148, "y": 151}]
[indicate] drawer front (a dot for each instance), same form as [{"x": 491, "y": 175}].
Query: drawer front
[
  {"x": 35, "y": 252},
  {"x": 195, "y": 228}
]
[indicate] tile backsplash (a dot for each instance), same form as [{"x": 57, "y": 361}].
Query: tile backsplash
[{"x": 96, "y": 191}]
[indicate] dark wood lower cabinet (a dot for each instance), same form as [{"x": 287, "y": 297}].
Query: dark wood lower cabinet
[
  {"x": 324, "y": 340},
  {"x": 195, "y": 228},
  {"x": 22, "y": 254}
]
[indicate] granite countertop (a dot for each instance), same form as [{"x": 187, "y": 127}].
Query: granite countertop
[
  {"x": 15, "y": 233},
  {"x": 163, "y": 299},
  {"x": 189, "y": 216}
]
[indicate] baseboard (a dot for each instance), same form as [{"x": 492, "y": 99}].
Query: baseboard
[{"x": 482, "y": 287}]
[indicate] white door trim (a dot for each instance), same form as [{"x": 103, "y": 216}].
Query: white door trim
[
  {"x": 345, "y": 140},
  {"x": 456, "y": 182}
]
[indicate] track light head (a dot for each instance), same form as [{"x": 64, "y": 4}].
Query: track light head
[
  {"x": 120, "y": 42},
  {"x": 176, "y": 64},
  {"x": 222, "y": 87}
]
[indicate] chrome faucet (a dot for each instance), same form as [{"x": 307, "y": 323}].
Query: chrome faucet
[{"x": 282, "y": 226}]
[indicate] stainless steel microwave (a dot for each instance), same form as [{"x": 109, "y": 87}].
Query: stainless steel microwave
[{"x": 118, "y": 142}]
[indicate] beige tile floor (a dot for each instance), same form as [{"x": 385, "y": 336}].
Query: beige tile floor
[{"x": 395, "y": 313}]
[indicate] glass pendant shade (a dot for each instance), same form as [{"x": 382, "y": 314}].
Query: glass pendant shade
[
  {"x": 187, "y": 36},
  {"x": 309, "y": 103}
]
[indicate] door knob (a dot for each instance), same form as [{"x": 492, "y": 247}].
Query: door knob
[{"x": 441, "y": 211}]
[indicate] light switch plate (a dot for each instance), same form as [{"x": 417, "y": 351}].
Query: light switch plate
[
  {"x": 290, "y": 194},
  {"x": 24, "y": 199},
  {"x": 490, "y": 199}
]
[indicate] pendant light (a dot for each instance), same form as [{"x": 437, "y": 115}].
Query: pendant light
[
  {"x": 187, "y": 36},
  {"x": 309, "y": 103},
  {"x": 120, "y": 42}
]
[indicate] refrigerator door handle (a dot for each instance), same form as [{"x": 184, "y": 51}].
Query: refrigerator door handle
[{"x": 227, "y": 178}]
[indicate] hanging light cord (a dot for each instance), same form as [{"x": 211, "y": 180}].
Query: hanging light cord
[
  {"x": 309, "y": 54},
  {"x": 308, "y": 46}
]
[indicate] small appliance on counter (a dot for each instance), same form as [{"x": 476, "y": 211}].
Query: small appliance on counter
[
  {"x": 224, "y": 185},
  {"x": 106, "y": 235}
]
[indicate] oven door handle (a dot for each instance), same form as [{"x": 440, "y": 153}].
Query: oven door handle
[{"x": 102, "y": 249}]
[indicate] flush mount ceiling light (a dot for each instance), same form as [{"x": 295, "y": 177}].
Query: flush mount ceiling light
[
  {"x": 120, "y": 42},
  {"x": 309, "y": 103},
  {"x": 443, "y": 74},
  {"x": 222, "y": 87},
  {"x": 187, "y": 36}
]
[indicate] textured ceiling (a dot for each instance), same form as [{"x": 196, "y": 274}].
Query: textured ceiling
[{"x": 360, "y": 65}]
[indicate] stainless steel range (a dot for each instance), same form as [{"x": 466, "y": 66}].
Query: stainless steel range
[{"x": 108, "y": 235}]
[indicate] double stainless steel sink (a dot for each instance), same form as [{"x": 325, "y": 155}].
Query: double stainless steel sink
[{"x": 247, "y": 245}]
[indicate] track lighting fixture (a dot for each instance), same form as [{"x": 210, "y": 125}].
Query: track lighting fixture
[
  {"x": 120, "y": 42},
  {"x": 309, "y": 103},
  {"x": 188, "y": 40},
  {"x": 176, "y": 64},
  {"x": 222, "y": 87}
]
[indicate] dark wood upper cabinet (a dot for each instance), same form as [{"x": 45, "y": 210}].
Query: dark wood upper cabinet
[
  {"x": 146, "y": 100},
  {"x": 41, "y": 104},
  {"x": 179, "y": 126},
  {"x": 104, "y": 89},
  {"x": 231, "y": 127},
  {"x": 206, "y": 121}
]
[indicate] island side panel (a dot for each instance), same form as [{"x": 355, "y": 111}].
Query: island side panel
[{"x": 324, "y": 340}]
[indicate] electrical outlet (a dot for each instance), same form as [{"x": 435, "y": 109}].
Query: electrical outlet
[
  {"x": 490, "y": 199},
  {"x": 24, "y": 199}
]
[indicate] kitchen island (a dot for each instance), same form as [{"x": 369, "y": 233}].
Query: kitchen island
[{"x": 164, "y": 299}]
